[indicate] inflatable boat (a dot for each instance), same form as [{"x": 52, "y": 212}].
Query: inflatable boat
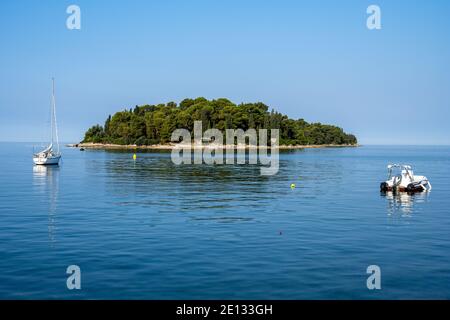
[{"x": 401, "y": 178}]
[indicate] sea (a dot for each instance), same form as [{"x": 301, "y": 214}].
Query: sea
[{"x": 150, "y": 229}]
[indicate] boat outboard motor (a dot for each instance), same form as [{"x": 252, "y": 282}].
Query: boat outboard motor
[
  {"x": 416, "y": 186},
  {"x": 383, "y": 187},
  {"x": 412, "y": 187}
]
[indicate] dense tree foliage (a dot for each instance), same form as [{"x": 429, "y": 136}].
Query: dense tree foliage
[{"x": 154, "y": 124}]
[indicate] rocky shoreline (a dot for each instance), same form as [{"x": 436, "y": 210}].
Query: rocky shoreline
[{"x": 91, "y": 145}]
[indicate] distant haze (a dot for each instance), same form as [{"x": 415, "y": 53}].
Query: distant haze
[{"x": 308, "y": 59}]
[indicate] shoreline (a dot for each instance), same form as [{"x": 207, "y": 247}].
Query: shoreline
[{"x": 110, "y": 146}]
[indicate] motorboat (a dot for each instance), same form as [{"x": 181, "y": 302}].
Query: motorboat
[{"x": 401, "y": 178}]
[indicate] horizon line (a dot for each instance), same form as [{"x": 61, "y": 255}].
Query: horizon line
[{"x": 359, "y": 144}]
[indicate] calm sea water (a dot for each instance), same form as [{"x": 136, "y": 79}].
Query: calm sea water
[{"x": 150, "y": 229}]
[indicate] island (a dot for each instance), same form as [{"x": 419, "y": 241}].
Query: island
[{"x": 151, "y": 126}]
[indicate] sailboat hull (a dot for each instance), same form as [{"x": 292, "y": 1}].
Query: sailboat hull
[{"x": 53, "y": 160}]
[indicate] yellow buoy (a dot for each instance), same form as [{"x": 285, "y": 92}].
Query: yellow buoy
[
  {"x": 292, "y": 185},
  {"x": 134, "y": 156}
]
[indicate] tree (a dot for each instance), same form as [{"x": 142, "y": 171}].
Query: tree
[
  {"x": 152, "y": 124},
  {"x": 94, "y": 134}
]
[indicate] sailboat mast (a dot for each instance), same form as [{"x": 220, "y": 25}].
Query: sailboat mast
[
  {"x": 51, "y": 118},
  {"x": 54, "y": 124}
]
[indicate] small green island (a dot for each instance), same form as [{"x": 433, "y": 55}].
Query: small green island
[{"x": 152, "y": 125}]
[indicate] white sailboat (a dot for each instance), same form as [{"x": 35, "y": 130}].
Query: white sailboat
[{"x": 50, "y": 155}]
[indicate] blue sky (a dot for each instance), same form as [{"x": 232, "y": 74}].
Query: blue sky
[{"x": 308, "y": 59}]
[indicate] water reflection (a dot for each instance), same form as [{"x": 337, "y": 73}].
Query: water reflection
[
  {"x": 403, "y": 203},
  {"x": 46, "y": 181},
  {"x": 210, "y": 193},
  {"x": 216, "y": 191}
]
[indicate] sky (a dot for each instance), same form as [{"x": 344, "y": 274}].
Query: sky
[{"x": 314, "y": 59}]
